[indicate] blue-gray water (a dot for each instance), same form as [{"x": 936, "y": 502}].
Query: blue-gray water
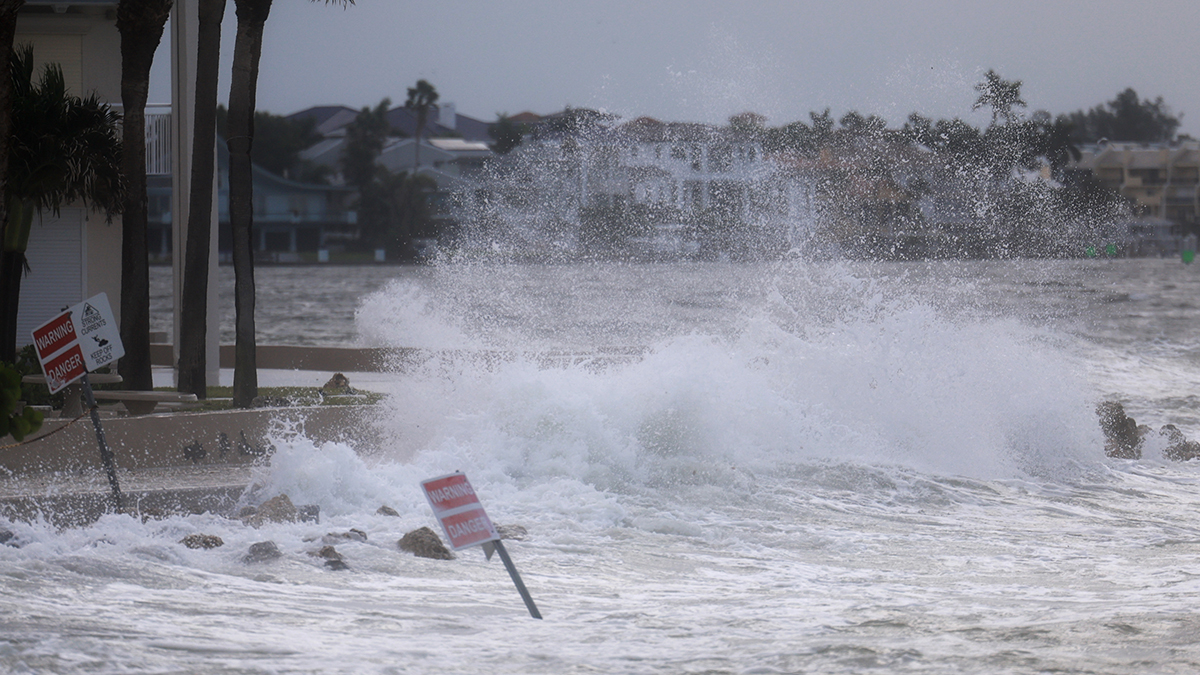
[{"x": 835, "y": 468}]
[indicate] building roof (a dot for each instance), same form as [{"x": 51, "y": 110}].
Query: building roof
[
  {"x": 326, "y": 118},
  {"x": 329, "y": 119}
]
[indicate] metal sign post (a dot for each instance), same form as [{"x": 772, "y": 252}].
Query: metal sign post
[
  {"x": 106, "y": 456},
  {"x": 80, "y": 339},
  {"x": 465, "y": 523},
  {"x": 516, "y": 577}
]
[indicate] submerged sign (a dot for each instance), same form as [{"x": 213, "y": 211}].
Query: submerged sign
[
  {"x": 81, "y": 339},
  {"x": 457, "y": 508}
]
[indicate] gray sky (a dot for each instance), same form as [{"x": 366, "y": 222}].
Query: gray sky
[{"x": 698, "y": 60}]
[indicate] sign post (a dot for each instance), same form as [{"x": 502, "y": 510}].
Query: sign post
[
  {"x": 465, "y": 523},
  {"x": 82, "y": 338}
]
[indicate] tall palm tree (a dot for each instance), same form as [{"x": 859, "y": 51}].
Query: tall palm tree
[
  {"x": 62, "y": 149},
  {"x": 243, "y": 87},
  {"x": 8, "y": 314},
  {"x": 140, "y": 23},
  {"x": 194, "y": 301},
  {"x": 999, "y": 94},
  {"x": 420, "y": 99}
]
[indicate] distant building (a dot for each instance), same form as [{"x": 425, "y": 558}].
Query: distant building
[
  {"x": 1163, "y": 179},
  {"x": 289, "y": 217},
  {"x": 454, "y": 147},
  {"x": 582, "y": 177}
]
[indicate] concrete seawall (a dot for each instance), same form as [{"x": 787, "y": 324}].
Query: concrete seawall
[
  {"x": 184, "y": 439},
  {"x": 166, "y": 463}
]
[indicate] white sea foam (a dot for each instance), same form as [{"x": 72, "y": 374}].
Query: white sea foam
[{"x": 855, "y": 374}]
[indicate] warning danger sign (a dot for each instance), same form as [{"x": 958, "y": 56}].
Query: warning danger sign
[
  {"x": 457, "y": 508},
  {"x": 81, "y": 339}
]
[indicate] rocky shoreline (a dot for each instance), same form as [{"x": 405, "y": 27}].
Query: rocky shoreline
[{"x": 1124, "y": 438}]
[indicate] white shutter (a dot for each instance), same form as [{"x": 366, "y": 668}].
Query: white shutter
[{"x": 56, "y": 261}]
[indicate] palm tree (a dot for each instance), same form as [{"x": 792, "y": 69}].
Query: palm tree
[
  {"x": 420, "y": 99},
  {"x": 194, "y": 301},
  {"x": 247, "y": 49},
  {"x": 140, "y": 23},
  {"x": 1000, "y": 94},
  {"x": 62, "y": 149},
  {"x": 243, "y": 87},
  {"x": 8, "y": 314}
]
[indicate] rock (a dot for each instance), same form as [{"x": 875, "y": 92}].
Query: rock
[
  {"x": 333, "y": 559},
  {"x": 514, "y": 532},
  {"x": 1178, "y": 448},
  {"x": 387, "y": 511},
  {"x": 202, "y": 541},
  {"x": 327, "y": 552},
  {"x": 1123, "y": 437},
  {"x": 278, "y": 509},
  {"x": 338, "y": 384},
  {"x": 309, "y": 513},
  {"x": 262, "y": 551},
  {"x": 6, "y": 537},
  {"x": 424, "y": 543},
  {"x": 352, "y": 535}
]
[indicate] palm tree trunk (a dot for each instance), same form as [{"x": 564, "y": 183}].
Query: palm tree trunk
[
  {"x": 194, "y": 314},
  {"x": 140, "y": 23},
  {"x": 16, "y": 240},
  {"x": 12, "y": 263},
  {"x": 247, "y": 48}
]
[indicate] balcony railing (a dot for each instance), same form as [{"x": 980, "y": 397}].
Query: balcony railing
[{"x": 158, "y": 140}]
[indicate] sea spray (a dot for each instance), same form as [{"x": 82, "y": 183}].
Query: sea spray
[{"x": 826, "y": 366}]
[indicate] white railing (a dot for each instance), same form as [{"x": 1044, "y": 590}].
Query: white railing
[{"x": 158, "y": 140}]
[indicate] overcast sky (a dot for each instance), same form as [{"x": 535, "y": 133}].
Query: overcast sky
[{"x": 695, "y": 60}]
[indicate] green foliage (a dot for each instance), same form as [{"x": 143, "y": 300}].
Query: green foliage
[
  {"x": 1125, "y": 118},
  {"x": 506, "y": 134},
  {"x": 63, "y": 148},
  {"x": 18, "y": 425},
  {"x": 394, "y": 209},
  {"x": 278, "y": 142},
  {"x": 421, "y": 98},
  {"x": 1000, "y": 95},
  {"x": 365, "y": 137}
]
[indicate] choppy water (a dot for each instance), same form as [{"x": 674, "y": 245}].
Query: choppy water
[{"x": 812, "y": 468}]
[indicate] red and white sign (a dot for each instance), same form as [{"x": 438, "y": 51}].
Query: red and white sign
[
  {"x": 457, "y": 508},
  {"x": 54, "y": 335},
  {"x": 64, "y": 368},
  {"x": 81, "y": 339}
]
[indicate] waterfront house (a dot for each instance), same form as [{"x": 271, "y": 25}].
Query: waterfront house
[
  {"x": 1162, "y": 179},
  {"x": 73, "y": 254},
  {"x": 290, "y": 217}
]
